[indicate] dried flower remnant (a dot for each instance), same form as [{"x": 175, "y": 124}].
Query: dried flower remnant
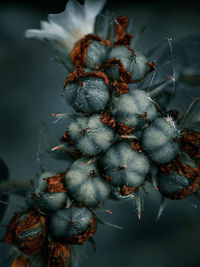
[
  {"x": 21, "y": 261},
  {"x": 190, "y": 143},
  {"x": 58, "y": 255},
  {"x": 66, "y": 28},
  {"x": 48, "y": 192},
  {"x": 27, "y": 230},
  {"x": 179, "y": 178}
]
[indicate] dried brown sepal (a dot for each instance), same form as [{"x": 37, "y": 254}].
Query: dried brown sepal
[
  {"x": 21, "y": 261},
  {"x": 123, "y": 129},
  {"x": 66, "y": 138},
  {"x": 152, "y": 66},
  {"x": 58, "y": 255},
  {"x": 108, "y": 119},
  {"x": 79, "y": 53},
  {"x": 55, "y": 183},
  {"x": 118, "y": 127},
  {"x": 136, "y": 146},
  {"x": 32, "y": 244},
  {"x": 106, "y": 177},
  {"x": 190, "y": 143},
  {"x": 125, "y": 76},
  {"x": 79, "y": 73},
  {"x": 126, "y": 190},
  {"x": 84, "y": 235},
  {"x": 144, "y": 116},
  {"x": 183, "y": 169},
  {"x": 120, "y": 87},
  {"x": 121, "y": 36}
]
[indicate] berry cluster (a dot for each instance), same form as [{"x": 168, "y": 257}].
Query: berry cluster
[{"x": 115, "y": 137}]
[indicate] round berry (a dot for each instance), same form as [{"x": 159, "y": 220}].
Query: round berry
[
  {"x": 133, "y": 108},
  {"x": 45, "y": 196},
  {"x": 87, "y": 92},
  {"x": 97, "y": 54},
  {"x": 179, "y": 178},
  {"x": 90, "y": 135},
  {"x": 124, "y": 166},
  {"x": 85, "y": 185},
  {"x": 159, "y": 140},
  {"x": 127, "y": 65},
  {"x": 73, "y": 225}
]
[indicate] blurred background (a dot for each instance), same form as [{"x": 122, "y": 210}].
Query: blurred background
[{"x": 31, "y": 86}]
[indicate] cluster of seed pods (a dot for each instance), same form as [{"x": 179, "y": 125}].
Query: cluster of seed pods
[{"x": 115, "y": 138}]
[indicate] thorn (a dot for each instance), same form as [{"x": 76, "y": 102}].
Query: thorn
[
  {"x": 92, "y": 241},
  {"x": 57, "y": 147},
  {"x": 109, "y": 224},
  {"x": 162, "y": 207},
  {"x": 101, "y": 208},
  {"x": 128, "y": 136},
  {"x": 171, "y": 77},
  {"x": 189, "y": 109},
  {"x": 4, "y": 202},
  {"x": 87, "y": 163},
  {"x": 138, "y": 204},
  {"x": 154, "y": 183}
]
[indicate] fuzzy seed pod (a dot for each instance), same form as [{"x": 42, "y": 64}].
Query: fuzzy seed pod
[
  {"x": 89, "y": 52},
  {"x": 133, "y": 108},
  {"x": 87, "y": 92},
  {"x": 90, "y": 135},
  {"x": 85, "y": 185},
  {"x": 73, "y": 225},
  {"x": 179, "y": 178},
  {"x": 125, "y": 167},
  {"x": 122, "y": 54},
  {"x": 97, "y": 54},
  {"x": 159, "y": 140},
  {"x": 127, "y": 65},
  {"x": 48, "y": 192},
  {"x": 27, "y": 231},
  {"x": 58, "y": 255}
]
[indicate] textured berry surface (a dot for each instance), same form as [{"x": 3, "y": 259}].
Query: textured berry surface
[{"x": 85, "y": 185}]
